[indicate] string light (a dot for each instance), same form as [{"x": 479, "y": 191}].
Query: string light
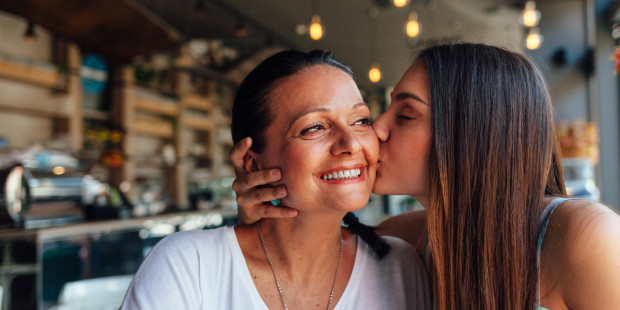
[
  {"x": 413, "y": 27},
  {"x": 400, "y": 3},
  {"x": 530, "y": 16},
  {"x": 316, "y": 28},
  {"x": 534, "y": 39},
  {"x": 374, "y": 74},
  {"x": 58, "y": 170}
]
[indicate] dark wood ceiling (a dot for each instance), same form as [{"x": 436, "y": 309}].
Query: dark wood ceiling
[{"x": 117, "y": 29}]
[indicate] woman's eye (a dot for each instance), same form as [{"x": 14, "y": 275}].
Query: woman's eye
[
  {"x": 364, "y": 121},
  {"x": 403, "y": 117},
  {"x": 314, "y": 128}
]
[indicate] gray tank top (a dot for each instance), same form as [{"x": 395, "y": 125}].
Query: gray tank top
[{"x": 545, "y": 217}]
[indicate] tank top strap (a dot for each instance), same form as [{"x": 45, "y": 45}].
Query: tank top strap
[{"x": 545, "y": 217}]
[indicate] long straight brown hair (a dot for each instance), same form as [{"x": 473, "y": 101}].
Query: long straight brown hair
[{"x": 489, "y": 165}]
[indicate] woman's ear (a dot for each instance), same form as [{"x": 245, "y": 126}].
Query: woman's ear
[{"x": 250, "y": 162}]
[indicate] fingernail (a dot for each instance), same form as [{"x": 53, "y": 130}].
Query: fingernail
[
  {"x": 282, "y": 190},
  {"x": 275, "y": 174},
  {"x": 292, "y": 212}
]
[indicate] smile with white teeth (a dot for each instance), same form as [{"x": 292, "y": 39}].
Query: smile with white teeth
[{"x": 342, "y": 174}]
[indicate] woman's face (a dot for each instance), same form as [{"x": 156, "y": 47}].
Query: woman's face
[
  {"x": 404, "y": 131},
  {"x": 322, "y": 140}
]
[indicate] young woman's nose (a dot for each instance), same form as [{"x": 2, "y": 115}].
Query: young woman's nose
[
  {"x": 381, "y": 128},
  {"x": 347, "y": 141}
]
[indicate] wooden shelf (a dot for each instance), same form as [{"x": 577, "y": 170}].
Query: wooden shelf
[
  {"x": 155, "y": 128},
  {"x": 197, "y": 102},
  {"x": 184, "y": 118},
  {"x": 198, "y": 123},
  {"x": 157, "y": 106},
  {"x": 55, "y": 107},
  {"x": 47, "y": 76}
]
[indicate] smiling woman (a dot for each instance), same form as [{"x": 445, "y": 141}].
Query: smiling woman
[{"x": 304, "y": 114}]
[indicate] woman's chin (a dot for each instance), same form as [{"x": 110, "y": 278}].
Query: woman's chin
[{"x": 380, "y": 189}]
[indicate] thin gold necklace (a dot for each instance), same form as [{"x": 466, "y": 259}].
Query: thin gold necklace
[{"x": 331, "y": 295}]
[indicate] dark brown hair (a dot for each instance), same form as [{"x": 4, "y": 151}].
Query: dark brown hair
[{"x": 490, "y": 162}]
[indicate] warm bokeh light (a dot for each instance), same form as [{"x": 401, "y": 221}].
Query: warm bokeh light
[
  {"x": 530, "y": 16},
  {"x": 412, "y": 28},
  {"x": 316, "y": 28},
  {"x": 58, "y": 170},
  {"x": 533, "y": 40},
  {"x": 399, "y": 3},
  {"x": 374, "y": 74}
]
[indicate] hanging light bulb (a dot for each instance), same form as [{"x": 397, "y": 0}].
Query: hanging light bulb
[
  {"x": 30, "y": 35},
  {"x": 413, "y": 27},
  {"x": 316, "y": 28},
  {"x": 534, "y": 39},
  {"x": 374, "y": 74},
  {"x": 400, "y": 3},
  {"x": 530, "y": 16}
]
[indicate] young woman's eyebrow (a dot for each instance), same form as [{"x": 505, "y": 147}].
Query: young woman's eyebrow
[{"x": 408, "y": 95}]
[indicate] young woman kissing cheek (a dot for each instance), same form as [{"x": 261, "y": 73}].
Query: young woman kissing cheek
[
  {"x": 322, "y": 140},
  {"x": 404, "y": 132}
]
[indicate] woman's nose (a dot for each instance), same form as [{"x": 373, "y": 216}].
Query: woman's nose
[
  {"x": 381, "y": 129},
  {"x": 347, "y": 141}
]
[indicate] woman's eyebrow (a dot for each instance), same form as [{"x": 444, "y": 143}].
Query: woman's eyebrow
[
  {"x": 361, "y": 104},
  {"x": 408, "y": 95},
  {"x": 298, "y": 116},
  {"x": 323, "y": 110}
]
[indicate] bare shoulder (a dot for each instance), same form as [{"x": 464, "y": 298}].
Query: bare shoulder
[
  {"x": 582, "y": 255},
  {"x": 409, "y": 226},
  {"x": 584, "y": 221}
]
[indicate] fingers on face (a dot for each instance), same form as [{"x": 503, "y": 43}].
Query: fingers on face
[
  {"x": 259, "y": 195},
  {"x": 268, "y": 194},
  {"x": 264, "y": 177},
  {"x": 238, "y": 152}
]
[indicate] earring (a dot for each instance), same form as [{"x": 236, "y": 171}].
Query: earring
[{"x": 276, "y": 202}]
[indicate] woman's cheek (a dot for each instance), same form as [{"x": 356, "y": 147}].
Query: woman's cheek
[{"x": 371, "y": 148}]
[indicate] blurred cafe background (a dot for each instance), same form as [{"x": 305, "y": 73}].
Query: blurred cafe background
[{"x": 115, "y": 114}]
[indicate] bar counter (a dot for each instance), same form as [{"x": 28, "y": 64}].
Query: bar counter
[{"x": 36, "y": 263}]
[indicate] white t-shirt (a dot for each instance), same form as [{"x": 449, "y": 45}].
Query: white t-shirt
[{"x": 205, "y": 269}]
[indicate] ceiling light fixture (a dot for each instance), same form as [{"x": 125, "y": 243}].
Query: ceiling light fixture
[
  {"x": 413, "y": 26},
  {"x": 316, "y": 28},
  {"x": 400, "y": 3},
  {"x": 374, "y": 74},
  {"x": 534, "y": 39},
  {"x": 30, "y": 35},
  {"x": 530, "y": 16}
]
